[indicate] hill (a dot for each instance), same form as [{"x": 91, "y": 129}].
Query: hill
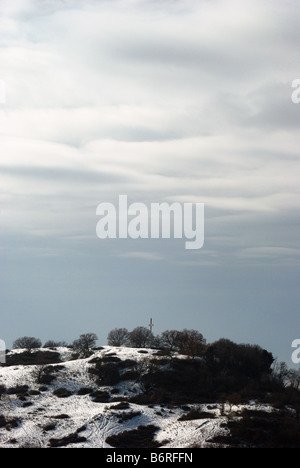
[{"x": 127, "y": 397}]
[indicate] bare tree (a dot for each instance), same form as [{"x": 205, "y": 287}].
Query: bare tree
[
  {"x": 190, "y": 342},
  {"x": 55, "y": 344},
  {"x": 84, "y": 344},
  {"x": 281, "y": 372},
  {"x": 118, "y": 337},
  {"x": 27, "y": 342},
  {"x": 170, "y": 339},
  {"x": 295, "y": 378},
  {"x": 140, "y": 337}
]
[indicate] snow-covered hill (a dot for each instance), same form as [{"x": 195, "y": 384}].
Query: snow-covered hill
[{"x": 33, "y": 414}]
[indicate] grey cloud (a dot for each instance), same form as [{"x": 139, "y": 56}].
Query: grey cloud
[
  {"x": 62, "y": 176},
  {"x": 168, "y": 100}
]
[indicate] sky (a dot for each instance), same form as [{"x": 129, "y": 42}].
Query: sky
[{"x": 183, "y": 101}]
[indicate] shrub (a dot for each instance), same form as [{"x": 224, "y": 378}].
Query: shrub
[
  {"x": 127, "y": 416},
  {"x": 73, "y": 438},
  {"x": 121, "y": 405},
  {"x": 62, "y": 392},
  {"x": 261, "y": 429},
  {"x": 107, "y": 373},
  {"x": 142, "y": 437},
  {"x": 18, "y": 390},
  {"x": 44, "y": 374},
  {"x": 111, "y": 358},
  {"x": 100, "y": 396},
  {"x": 33, "y": 358},
  {"x": 55, "y": 344},
  {"x": 9, "y": 423},
  {"x": 196, "y": 414},
  {"x": 85, "y": 391},
  {"x": 130, "y": 375},
  {"x": 27, "y": 404},
  {"x": 49, "y": 427},
  {"x": 2, "y": 390}
]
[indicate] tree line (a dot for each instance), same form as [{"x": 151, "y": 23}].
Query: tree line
[
  {"x": 221, "y": 356},
  {"x": 190, "y": 342}
]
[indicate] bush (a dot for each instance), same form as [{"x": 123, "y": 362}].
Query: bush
[
  {"x": 196, "y": 414},
  {"x": 55, "y": 344},
  {"x": 121, "y": 405},
  {"x": 142, "y": 437},
  {"x": 3, "y": 390},
  {"x": 44, "y": 374},
  {"x": 27, "y": 404},
  {"x": 85, "y": 391},
  {"x": 18, "y": 390},
  {"x": 33, "y": 358},
  {"x": 62, "y": 392},
  {"x": 261, "y": 429},
  {"x": 127, "y": 416},
  {"x": 49, "y": 427},
  {"x": 61, "y": 416},
  {"x": 100, "y": 396},
  {"x": 130, "y": 375},
  {"x": 8, "y": 423},
  {"x": 107, "y": 373},
  {"x": 73, "y": 438}
]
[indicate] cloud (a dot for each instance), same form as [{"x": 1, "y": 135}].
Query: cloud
[
  {"x": 142, "y": 255},
  {"x": 159, "y": 100}
]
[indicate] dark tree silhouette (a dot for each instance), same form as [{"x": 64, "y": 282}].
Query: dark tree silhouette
[
  {"x": 27, "y": 342},
  {"x": 118, "y": 337},
  {"x": 84, "y": 344}
]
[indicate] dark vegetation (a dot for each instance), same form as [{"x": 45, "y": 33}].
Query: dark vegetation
[
  {"x": 196, "y": 414},
  {"x": 73, "y": 438},
  {"x": 28, "y": 358},
  {"x": 62, "y": 392},
  {"x": 142, "y": 437},
  {"x": 220, "y": 372},
  {"x": 261, "y": 429},
  {"x": 189, "y": 342}
]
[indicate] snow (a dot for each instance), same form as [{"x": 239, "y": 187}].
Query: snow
[{"x": 97, "y": 421}]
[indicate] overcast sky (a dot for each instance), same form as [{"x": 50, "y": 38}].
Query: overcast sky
[{"x": 161, "y": 100}]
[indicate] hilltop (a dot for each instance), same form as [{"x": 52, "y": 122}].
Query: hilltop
[{"x": 125, "y": 397}]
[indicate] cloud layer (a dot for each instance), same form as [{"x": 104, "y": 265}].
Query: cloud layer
[{"x": 163, "y": 101}]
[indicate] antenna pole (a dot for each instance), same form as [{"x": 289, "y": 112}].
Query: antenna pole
[{"x": 151, "y": 325}]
